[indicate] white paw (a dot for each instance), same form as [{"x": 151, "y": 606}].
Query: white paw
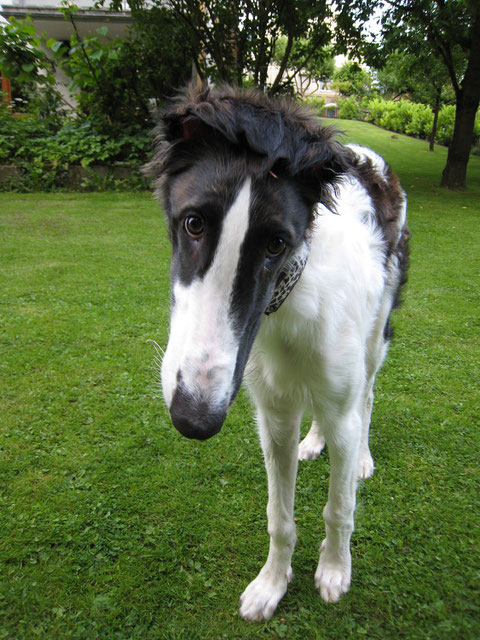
[
  {"x": 260, "y": 599},
  {"x": 333, "y": 579},
  {"x": 311, "y": 447},
  {"x": 365, "y": 467}
]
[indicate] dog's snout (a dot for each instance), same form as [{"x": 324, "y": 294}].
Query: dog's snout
[{"x": 195, "y": 418}]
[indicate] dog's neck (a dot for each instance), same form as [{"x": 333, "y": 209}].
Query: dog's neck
[{"x": 289, "y": 276}]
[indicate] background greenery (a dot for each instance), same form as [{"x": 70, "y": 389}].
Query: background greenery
[
  {"x": 114, "y": 526},
  {"x": 44, "y": 148},
  {"x": 420, "y": 50},
  {"x": 413, "y": 119}
]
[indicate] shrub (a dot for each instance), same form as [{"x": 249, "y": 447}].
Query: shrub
[
  {"x": 17, "y": 133},
  {"x": 43, "y": 149},
  {"x": 316, "y": 103},
  {"x": 414, "y": 119},
  {"x": 421, "y": 121},
  {"x": 446, "y": 122},
  {"x": 116, "y": 81},
  {"x": 396, "y": 116},
  {"x": 350, "y": 109}
]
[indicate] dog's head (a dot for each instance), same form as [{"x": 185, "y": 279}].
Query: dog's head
[{"x": 240, "y": 177}]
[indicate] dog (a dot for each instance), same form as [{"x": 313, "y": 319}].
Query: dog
[{"x": 289, "y": 251}]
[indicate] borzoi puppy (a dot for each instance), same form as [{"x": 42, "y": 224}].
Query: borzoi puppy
[{"x": 289, "y": 250}]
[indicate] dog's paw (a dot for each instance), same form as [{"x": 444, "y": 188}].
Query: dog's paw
[
  {"x": 311, "y": 447},
  {"x": 333, "y": 579},
  {"x": 365, "y": 467},
  {"x": 260, "y": 599}
]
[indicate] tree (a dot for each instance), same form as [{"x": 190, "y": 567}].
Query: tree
[
  {"x": 116, "y": 81},
  {"x": 445, "y": 30},
  {"x": 28, "y": 67},
  {"x": 352, "y": 80},
  {"x": 238, "y": 38},
  {"x": 20, "y": 54},
  {"x": 306, "y": 63},
  {"x": 419, "y": 77}
]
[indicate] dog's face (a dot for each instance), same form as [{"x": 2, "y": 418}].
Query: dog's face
[
  {"x": 232, "y": 230},
  {"x": 239, "y": 180}
]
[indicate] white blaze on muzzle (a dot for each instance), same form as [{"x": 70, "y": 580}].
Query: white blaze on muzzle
[{"x": 202, "y": 347}]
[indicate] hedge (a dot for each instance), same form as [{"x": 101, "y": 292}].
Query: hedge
[{"x": 403, "y": 116}]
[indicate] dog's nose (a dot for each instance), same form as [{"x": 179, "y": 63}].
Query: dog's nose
[{"x": 195, "y": 418}]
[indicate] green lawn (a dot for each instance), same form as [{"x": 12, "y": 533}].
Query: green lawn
[{"x": 114, "y": 526}]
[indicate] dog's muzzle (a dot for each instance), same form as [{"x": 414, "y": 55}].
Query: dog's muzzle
[{"x": 195, "y": 418}]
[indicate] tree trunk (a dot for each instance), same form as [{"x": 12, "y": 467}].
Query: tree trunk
[
  {"x": 283, "y": 64},
  {"x": 468, "y": 97},
  {"x": 435, "y": 121},
  {"x": 455, "y": 173}
]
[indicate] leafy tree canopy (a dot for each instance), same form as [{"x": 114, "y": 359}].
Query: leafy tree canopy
[
  {"x": 352, "y": 80},
  {"x": 117, "y": 80},
  {"x": 444, "y": 30},
  {"x": 20, "y": 54},
  {"x": 237, "y": 39}
]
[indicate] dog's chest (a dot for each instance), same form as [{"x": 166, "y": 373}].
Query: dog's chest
[{"x": 284, "y": 361}]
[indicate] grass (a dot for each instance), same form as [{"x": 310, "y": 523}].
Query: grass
[{"x": 114, "y": 526}]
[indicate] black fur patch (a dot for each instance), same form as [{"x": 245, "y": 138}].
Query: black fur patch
[{"x": 271, "y": 135}]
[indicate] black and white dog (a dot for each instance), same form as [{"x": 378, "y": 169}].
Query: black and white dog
[{"x": 289, "y": 250}]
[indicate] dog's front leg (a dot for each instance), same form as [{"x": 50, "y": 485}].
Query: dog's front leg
[
  {"x": 333, "y": 574},
  {"x": 279, "y": 431}
]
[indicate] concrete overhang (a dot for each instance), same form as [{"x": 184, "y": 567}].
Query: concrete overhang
[{"x": 51, "y": 22}]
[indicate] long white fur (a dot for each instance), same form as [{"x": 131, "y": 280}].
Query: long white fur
[{"x": 319, "y": 353}]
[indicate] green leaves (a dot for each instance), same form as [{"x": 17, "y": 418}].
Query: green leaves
[
  {"x": 28, "y": 68},
  {"x": 21, "y": 57},
  {"x": 55, "y": 45},
  {"x": 44, "y": 150},
  {"x": 414, "y": 119}
]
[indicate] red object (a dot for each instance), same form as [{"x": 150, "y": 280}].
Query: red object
[{"x": 6, "y": 92}]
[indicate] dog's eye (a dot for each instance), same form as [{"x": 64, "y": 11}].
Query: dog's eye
[
  {"x": 194, "y": 226},
  {"x": 275, "y": 247}
]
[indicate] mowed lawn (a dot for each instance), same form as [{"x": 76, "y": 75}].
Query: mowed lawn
[{"x": 114, "y": 526}]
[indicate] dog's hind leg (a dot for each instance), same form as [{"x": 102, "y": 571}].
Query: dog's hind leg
[
  {"x": 365, "y": 461},
  {"x": 333, "y": 574},
  {"x": 279, "y": 432},
  {"x": 376, "y": 351},
  {"x": 313, "y": 443}
]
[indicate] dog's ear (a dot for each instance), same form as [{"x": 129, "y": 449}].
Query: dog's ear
[
  {"x": 176, "y": 136},
  {"x": 322, "y": 166},
  {"x": 316, "y": 162},
  {"x": 178, "y": 128},
  {"x": 263, "y": 130}
]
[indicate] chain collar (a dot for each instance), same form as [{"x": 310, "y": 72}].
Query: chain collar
[{"x": 289, "y": 276}]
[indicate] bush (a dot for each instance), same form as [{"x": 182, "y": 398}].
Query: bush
[
  {"x": 117, "y": 81},
  {"x": 421, "y": 121},
  {"x": 18, "y": 132},
  {"x": 446, "y": 122},
  {"x": 316, "y": 103},
  {"x": 396, "y": 116},
  {"x": 350, "y": 109},
  {"x": 44, "y": 149},
  {"x": 414, "y": 119}
]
